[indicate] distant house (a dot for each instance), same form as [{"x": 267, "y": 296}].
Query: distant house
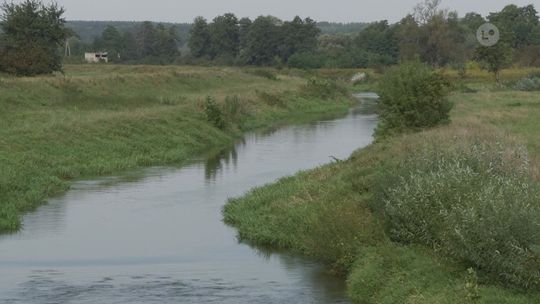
[{"x": 96, "y": 57}]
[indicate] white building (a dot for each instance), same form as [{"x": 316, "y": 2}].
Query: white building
[{"x": 96, "y": 57}]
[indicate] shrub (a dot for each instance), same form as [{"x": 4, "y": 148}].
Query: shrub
[
  {"x": 412, "y": 97},
  {"x": 478, "y": 205},
  {"x": 529, "y": 83},
  {"x": 324, "y": 88},
  {"x": 214, "y": 114}
]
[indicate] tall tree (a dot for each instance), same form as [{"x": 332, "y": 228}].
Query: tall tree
[
  {"x": 199, "y": 38},
  {"x": 224, "y": 36},
  {"x": 166, "y": 43},
  {"x": 263, "y": 41},
  {"x": 244, "y": 26},
  {"x": 380, "y": 43},
  {"x": 516, "y": 24},
  {"x": 146, "y": 38},
  {"x": 299, "y": 36},
  {"x": 129, "y": 47},
  {"x": 110, "y": 41},
  {"x": 31, "y": 36},
  {"x": 408, "y": 31}
]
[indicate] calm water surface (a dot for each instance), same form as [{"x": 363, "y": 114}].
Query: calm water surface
[{"x": 157, "y": 236}]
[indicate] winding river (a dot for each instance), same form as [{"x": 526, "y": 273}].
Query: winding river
[{"x": 156, "y": 235}]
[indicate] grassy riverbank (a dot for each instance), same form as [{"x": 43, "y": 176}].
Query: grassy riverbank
[
  {"x": 100, "y": 119},
  {"x": 333, "y": 213}
]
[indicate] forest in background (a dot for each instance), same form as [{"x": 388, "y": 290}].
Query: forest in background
[{"x": 431, "y": 33}]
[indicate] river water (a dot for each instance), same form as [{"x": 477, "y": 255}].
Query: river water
[{"x": 156, "y": 235}]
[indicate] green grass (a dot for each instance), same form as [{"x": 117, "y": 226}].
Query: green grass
[
  {"x": 330, "y": 213},
  {"x": 100, "y": 119}
]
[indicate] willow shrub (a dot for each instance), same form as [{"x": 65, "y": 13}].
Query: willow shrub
[
  {"x": 478, "y": 205},
  {"x": 412, "y": 97}
]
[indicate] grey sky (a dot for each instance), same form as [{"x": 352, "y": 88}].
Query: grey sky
[{"x": 320, "y": 10}]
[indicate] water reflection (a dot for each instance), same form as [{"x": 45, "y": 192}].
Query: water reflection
[{"x": 215, "y": 163}]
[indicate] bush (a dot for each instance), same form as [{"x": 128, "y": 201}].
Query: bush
[
  {"x": 324, "y": 88},
  {"x": 478, "y": 205},
  {"x": 214, "y": 114},
  {"x": 529, "y": 83},
  {"x": 412, "y": 97}
]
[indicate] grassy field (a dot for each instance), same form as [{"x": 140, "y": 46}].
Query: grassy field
[
  {"x": 331, "y": 213},
  {"x": 100, "y": 119}
]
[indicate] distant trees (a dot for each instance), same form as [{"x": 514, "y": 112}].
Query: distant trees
[
  {"x": 148, "y": 43},
  {"x": 199, "y": 38},
  {"x": 263, "y": 41},
  {"x": 433, "y": 35},
  {"x": 380, "y": 44},
  {"x": 224, "y": 37},
  {"x": 430, "y": 34},
  {"x": 31, "y": 34}
]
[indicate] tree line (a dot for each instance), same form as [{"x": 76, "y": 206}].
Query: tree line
[
  {"x": 33, "y": 38},
  {"x": 146, "y": 43},
  {"x": 264, "y": 41}
]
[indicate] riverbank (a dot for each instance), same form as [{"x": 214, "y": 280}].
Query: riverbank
[
  {"x": 333, "y": 214},
  {"x": 102, "y": 119}
]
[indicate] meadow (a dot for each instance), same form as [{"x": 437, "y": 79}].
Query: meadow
[
  {"x": 473, "y": 246},
  {"x": 101, "y": 119}
]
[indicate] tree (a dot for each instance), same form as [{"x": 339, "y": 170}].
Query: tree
[
  {"x": 408, "y": 31},
  {"x": 166, "y": 43},
  {"x": 146, "y": 38},
  {"x": 31, "y": 38},
  {"x": 111, "y": 42},
  {"x": 199, "y": 38},
  {"x": 299, "y": 36},
  {"x": 224, "y": 36},
  {"x": 494, "y": 58},
  {"x": 516, "y": 24},
  {"x": 473, "y": 21},
  {"x": 244, "y": 27},
  {"x": 380, "y": 43},
  {"x": 442, "y": 40},
  {"x": 129, "y": 47},
  {"x": 427, "y": 10},
  {"x": 263, "y": 41}
]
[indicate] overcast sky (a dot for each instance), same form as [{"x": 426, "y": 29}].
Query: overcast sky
[{"x": 320, "y": 10}]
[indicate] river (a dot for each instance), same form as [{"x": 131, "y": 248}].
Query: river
[{"x": 156, "y": 235}]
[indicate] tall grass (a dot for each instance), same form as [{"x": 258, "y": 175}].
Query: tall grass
[{"x": 100, "y": 119}]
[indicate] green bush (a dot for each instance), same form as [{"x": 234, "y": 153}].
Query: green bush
[
  {"x": 478, "y": 205},
  {"x": 214, "y": 114},
  {"x": 412, "y": 97}
]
